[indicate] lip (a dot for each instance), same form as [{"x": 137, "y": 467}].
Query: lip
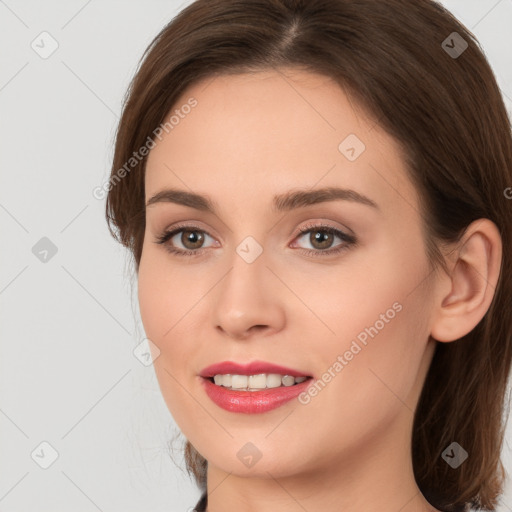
[
  {"x": 252, "y": 402},
  {"x": 252, "y": 368}
]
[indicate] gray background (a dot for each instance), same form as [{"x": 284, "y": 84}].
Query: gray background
[{"x": 69, "y": 325}]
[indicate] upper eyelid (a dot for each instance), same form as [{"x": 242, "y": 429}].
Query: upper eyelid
[{"x": 309, "y": 225}]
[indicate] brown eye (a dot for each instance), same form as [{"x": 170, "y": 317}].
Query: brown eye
[
  {"x": 184, "y": 240},
  {"x": 192, "y": 239},
  {"x": 320, "y": 239}
]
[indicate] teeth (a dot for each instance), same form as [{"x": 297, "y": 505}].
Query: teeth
[
  {"x": 288, "y": 380},
  {"x": 239, "y": 381},
  {"x": 256, "y": 382},
  {"x": 274, "y": 380}
]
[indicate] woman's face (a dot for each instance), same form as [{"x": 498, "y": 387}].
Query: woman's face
[{"x": 353, "y": 312}]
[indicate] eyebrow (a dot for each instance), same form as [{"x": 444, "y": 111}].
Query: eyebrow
[{"x": 281, "y": 203}]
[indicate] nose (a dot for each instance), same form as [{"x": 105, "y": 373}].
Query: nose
[{"x": 249, "y": 301}]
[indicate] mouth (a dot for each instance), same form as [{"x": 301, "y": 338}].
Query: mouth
[{"x": 251, "y": 388}]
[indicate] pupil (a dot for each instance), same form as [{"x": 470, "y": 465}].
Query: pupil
[
  {"x": 318, "y": 236},
  {"x": 193, "y": 237}
]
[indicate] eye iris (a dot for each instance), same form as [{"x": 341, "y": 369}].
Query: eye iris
[
  {"x": 321, "y": 237},
  {"x": 194, "y": 237}
]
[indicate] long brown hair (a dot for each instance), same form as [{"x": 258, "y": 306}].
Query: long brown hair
[{"x": 435, "y": 93}]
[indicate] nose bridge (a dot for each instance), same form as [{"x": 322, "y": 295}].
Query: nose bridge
[{"x": 246, "y": 296}]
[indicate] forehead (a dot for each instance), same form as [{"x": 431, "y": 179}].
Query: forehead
[{"x": 266, "y": 132}]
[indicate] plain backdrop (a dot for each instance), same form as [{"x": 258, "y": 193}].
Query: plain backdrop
[{"x": 73, "y": 396}]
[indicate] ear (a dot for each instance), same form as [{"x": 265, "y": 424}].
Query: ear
[{"x": 465, "y": 294}]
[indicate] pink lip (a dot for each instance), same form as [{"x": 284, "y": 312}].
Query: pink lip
[
  {"x": 251, "y": 402},
  {"x": 253, "y": 368}
]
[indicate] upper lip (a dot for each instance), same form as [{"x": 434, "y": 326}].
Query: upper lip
[{"x": 252, "y": 368}]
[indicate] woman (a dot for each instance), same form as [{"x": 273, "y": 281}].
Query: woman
[{"x": 315, "y": 197}]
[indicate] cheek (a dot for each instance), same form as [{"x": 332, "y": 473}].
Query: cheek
[
  {"x": 163, "y": 305},
  {"x": 381, "y": 325},
  {"x": 376, "y": 299},
  {"x": 152, "y": 298},
  {"x": 164, "y": 293},
  {"x": 360, "y": 294}
]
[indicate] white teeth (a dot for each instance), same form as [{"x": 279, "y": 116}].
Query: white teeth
[
  {"x": 239, "y": 381},
  {"x": 273, "y": 380},
  {"x": 288, "y": 380},
  {"x": 256, "y": 382}
]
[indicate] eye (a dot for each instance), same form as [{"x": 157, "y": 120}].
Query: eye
[
  {"x": 191, "y": 237},
  {"x": 321, "y": 238}
]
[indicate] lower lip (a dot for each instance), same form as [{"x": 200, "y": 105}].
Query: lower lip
[{"x": 252, "y": 402}]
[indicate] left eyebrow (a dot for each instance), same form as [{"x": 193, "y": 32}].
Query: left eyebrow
[
  {"x": 283, "y": 202},
  {"x": 301, "y": 198}
]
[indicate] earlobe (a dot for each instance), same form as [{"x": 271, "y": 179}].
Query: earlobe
[{"x": 471, "y": 282}]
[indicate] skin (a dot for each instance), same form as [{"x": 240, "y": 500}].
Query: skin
[{"x": 249, "y": 137}]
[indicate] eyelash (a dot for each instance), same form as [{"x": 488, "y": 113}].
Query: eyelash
[{"x": 349, "y": 240}]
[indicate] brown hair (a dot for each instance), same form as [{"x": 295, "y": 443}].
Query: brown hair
[{"x": 446, "y": 111}]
